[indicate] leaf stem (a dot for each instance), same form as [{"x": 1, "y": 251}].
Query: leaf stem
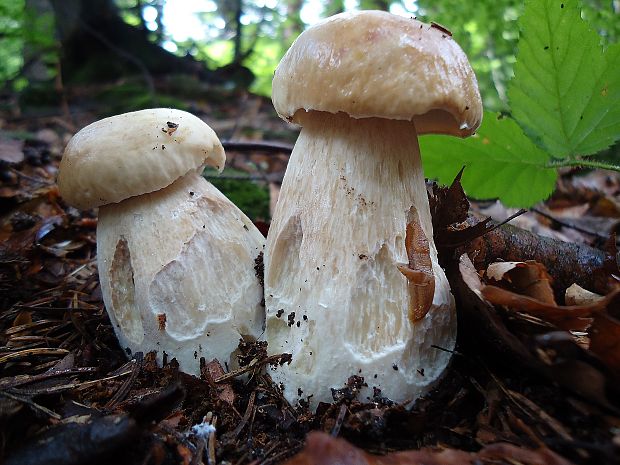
[{"x": 582, "y": 164}]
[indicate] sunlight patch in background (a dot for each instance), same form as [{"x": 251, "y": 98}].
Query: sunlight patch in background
[
  {"x": 182, "y": 22},
  {"x": 196, "y": 27}
]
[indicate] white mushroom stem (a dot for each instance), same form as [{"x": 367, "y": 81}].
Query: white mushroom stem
[
  {"x": 177, "y": 270},
  {"x": 335, "y": 296}
]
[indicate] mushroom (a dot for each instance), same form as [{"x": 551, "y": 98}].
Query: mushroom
[
  {"x": 176, "y": 258},
  {"x": 352, "y": 281}
]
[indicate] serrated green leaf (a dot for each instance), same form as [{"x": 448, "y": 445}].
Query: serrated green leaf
[
  {"x": 500, "y": 160},
  {"x": 566, "y": 92}
]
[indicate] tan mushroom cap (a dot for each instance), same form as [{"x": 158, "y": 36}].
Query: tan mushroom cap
[
  {"x": 134, "y": 153},
  {"x": 375, "y": 64}
]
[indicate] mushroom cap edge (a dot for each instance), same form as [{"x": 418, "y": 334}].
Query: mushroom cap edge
[
  {"x": 135, "y": 153},
  {"x": 376, "y": 64}
]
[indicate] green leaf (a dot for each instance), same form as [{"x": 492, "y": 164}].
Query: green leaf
[
  {"x": 501, "y": 162},
  {"x": 565, "y": 93}
]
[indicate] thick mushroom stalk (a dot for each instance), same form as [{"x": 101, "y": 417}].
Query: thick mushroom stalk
[
  {"x": 336, "y": 296},
  {"x": 177, "y": 271},
  {"x": 352, "y": 282},
  {"x": 176, "y": 258}
]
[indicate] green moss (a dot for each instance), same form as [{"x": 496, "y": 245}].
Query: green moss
[{"x": 251, "y": 197}]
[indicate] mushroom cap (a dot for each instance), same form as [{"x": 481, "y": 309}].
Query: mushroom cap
[
  {"x": 376, "y": 64},
  {"x": 134, "y": 153}
]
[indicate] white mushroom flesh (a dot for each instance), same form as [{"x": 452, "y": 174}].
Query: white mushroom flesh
[
  {"x": 335, "y": 297},
  {"x": 177, "y": 270}
]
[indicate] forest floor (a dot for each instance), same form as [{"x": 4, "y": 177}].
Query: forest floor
[{"x": 534, "y": 377}]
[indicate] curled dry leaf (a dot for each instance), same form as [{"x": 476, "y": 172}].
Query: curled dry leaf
[
  {"x": 567, "y": 317},
  {"x": 529, "y": 278},
  {"x": 558, "y": 354},
  {"x": 577, "y": 295},
  {"x": 419, "y": 270},
  {"x": 526, "y": 287},
  {"x": 322, "y": 449}
]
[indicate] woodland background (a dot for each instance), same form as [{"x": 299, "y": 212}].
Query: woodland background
[{"x": 536, "y": 372}]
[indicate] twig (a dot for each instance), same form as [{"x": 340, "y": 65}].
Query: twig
[
  {"x": 339, "y": 420},
  {"x": 282, "y": 455},
  {"x": 246, "y": 415},
  {"x": 30, "y": 178},
  {"x": 197, "y": 455},
  {"x": 257, "y": 146},
  {"x": 269, "y": 177},
  {"x": 568, "y": 263},
  {"x": 211, "y": 443},
  {"x": 565, "y": 224},
  {"x": 31, "y": 403},
  {"x": 126, "y": 386},
  {"x": 279, "y": 358},
  {"x": 28, "y": 352}
]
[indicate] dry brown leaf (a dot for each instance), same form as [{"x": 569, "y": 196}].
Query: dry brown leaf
[
  {"x": 322, "y": 449},
  {"x": 605, "y": 341},
  {"x": 11, "y": 150},
  {"x": 514, "y": 454},
  {"x": 570, "y": 318},
  {"x": 577, "y": 295},
  {"x": 213, "y": 370},
  {"x": 529, "y": 278},
  {"x": 22, "y": 318},
  {"x": 482, "y": 316}
]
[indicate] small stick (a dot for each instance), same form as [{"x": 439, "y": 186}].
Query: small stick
[{"x": 339, "y": 420}]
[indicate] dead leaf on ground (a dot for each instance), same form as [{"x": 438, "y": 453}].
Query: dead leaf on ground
[
  {"x": 555, "y": 354},
  {"x": 605, "y": 340},
  {"x": 11, "y": 150},
  {"x": 210, "y": 372},
  {"x": 322, "y": 449},
  {"x": 528, "y": 278},
  {"x": 577, "y": 295},
  {"x": 567, "y": 317}
]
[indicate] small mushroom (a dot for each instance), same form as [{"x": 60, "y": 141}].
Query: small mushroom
[
  {"x": 175, "y": 256},
  {"x": 350, "y": 249}
]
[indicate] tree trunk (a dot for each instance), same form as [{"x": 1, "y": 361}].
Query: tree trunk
[
  {"x": 97, "y": 45},
  {"x": 35, "y": 69},
  {"x": 293, "y": 26}
]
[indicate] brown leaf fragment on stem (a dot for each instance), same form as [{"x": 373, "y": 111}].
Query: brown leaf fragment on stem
[{"x": 419, "y": 270}]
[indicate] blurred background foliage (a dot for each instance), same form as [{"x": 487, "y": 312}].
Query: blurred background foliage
[
  {"x": 255, "y": 34},
  {"x": 134, "y": 54}
]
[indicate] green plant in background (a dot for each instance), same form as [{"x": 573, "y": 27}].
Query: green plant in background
[
  {"x": 488, "y": 34},
  {"x": 11, "y": 20},
  {"x": 564, "y": 101},
  {"x": 251, "y": 197},
  {"x": 29, "y": 50}
]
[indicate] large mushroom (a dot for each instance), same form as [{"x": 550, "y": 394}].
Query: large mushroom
[
  {"x": 352, "y": 282},
  {"x": 176, "y": 258}
]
